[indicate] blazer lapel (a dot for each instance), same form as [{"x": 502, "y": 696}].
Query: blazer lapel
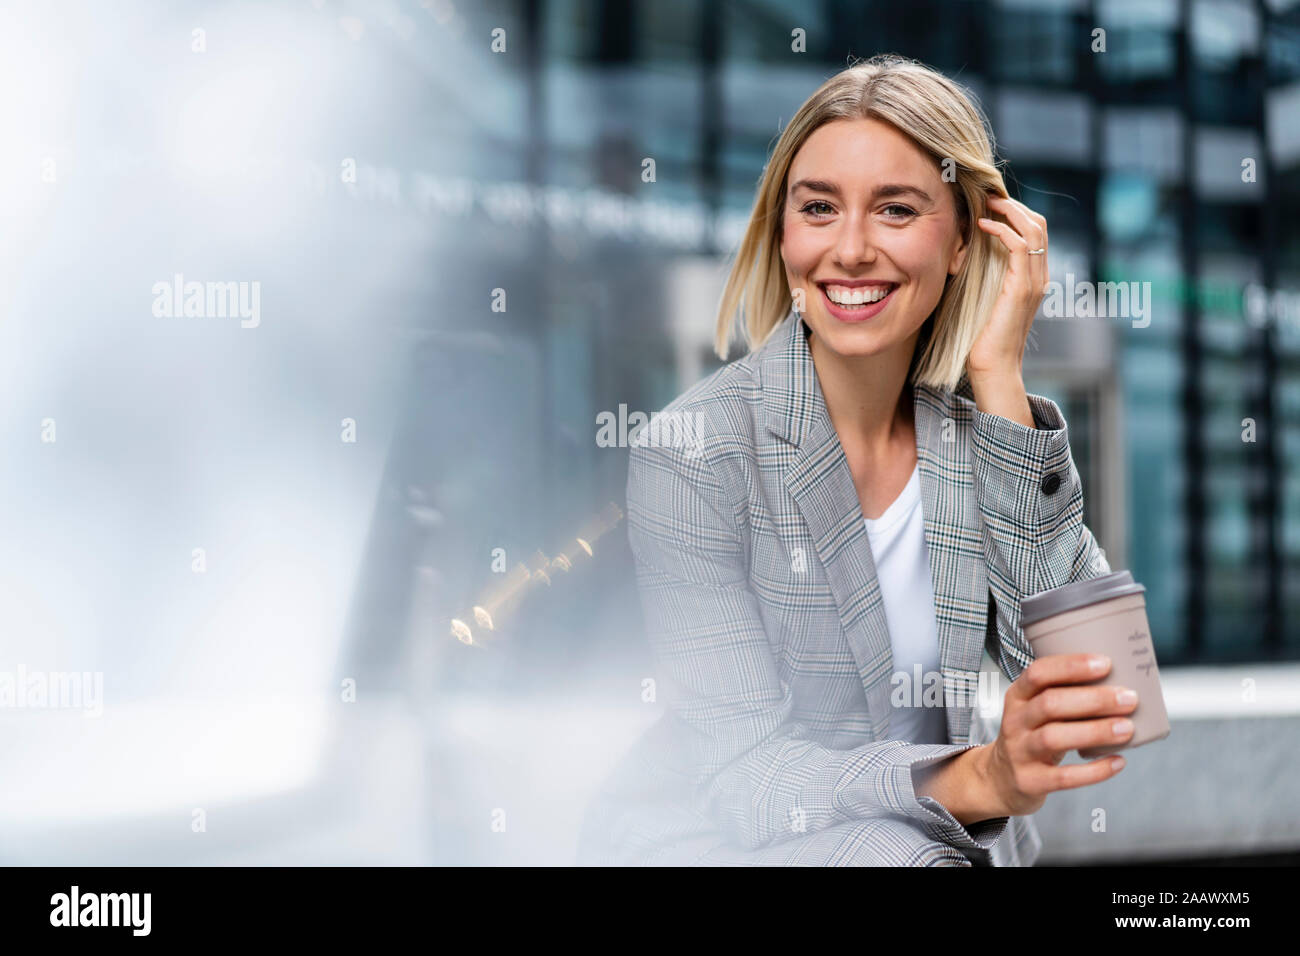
[
  {"x": 817, "y": 475},
  {"x": 954, "y": 545}
]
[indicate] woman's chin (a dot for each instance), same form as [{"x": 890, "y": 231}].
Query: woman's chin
[{"x": 848, "y": 341}]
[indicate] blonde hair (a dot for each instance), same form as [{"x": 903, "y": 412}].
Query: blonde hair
[{"x": 943, "y": 120}]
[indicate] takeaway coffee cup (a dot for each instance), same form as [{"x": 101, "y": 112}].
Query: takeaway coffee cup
[{"x": 1103, "y": 615}]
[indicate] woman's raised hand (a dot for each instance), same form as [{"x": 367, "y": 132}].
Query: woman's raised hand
[{"x": 1000, "y": 349}]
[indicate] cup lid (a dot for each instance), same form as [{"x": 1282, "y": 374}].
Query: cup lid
[{"x": 1070, "y": 597}]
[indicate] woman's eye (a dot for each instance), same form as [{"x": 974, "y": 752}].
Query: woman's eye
[{"x": 892, "y": 211}]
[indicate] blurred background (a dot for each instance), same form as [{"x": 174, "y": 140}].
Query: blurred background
[{"x": 263, "y": 531}]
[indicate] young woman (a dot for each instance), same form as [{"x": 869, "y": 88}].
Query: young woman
[{"x": 869, "y": 494}]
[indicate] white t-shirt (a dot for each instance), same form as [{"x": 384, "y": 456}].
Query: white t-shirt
[{"x": 903, "y": 570}]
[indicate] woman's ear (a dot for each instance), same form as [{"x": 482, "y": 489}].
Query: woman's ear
[{"x": 959, "y": 253}]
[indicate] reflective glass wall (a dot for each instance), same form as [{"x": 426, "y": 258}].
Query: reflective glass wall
[{"x": 1157, "y": 139}]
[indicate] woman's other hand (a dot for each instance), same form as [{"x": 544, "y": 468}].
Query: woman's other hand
[{"x": 1043, "y": 719}]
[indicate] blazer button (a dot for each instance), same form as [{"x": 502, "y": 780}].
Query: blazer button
[{"x": 1051, "y": 483}]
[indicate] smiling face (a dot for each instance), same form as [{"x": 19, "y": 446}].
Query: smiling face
[{"x": 870, "y": 234}]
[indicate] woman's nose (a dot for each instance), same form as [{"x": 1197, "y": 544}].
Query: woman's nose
[{"x": 855, "y": 244}]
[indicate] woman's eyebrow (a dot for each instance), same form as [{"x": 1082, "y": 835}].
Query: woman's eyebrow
[{"x": 880, "y": 192}]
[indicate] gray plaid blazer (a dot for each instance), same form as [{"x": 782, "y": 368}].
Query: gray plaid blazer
[{"x": 768, "y": 631}]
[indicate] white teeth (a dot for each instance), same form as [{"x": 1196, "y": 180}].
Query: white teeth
[{"x": 841, "y": 295}]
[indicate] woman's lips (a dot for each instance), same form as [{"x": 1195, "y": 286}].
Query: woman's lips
[{"x": 860, "y": 313}]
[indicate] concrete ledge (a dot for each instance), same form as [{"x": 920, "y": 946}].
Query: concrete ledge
[{"x": 394, "y": 784}]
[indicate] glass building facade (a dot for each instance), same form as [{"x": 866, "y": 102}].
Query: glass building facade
[{"x": 1160, "y": 138}]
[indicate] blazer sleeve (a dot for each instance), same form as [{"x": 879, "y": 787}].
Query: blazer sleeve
[
  {"x": 753, "y": 768},
  {"x": 1031, "y": 500}
]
